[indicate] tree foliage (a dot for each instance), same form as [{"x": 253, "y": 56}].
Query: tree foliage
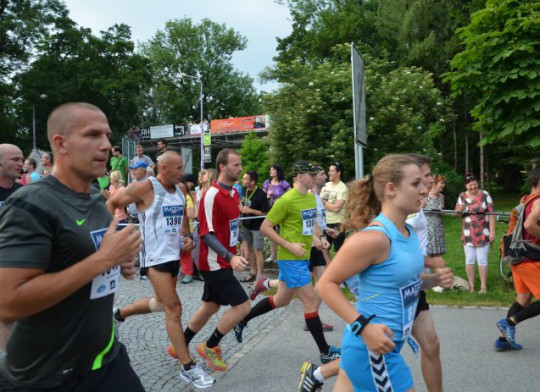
[
  {"x": 499, "y": 69},
  {"x": 205, "y": 51},
  {"x": 255, "y": 156}
]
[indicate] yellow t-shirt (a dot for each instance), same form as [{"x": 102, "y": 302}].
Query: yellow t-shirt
[
  {"x": 295, "y": 214},
  {"x": 189, "y": 204},
  {"x": 333, "y": 193}
]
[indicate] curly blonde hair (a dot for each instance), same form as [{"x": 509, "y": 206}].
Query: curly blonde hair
[{"x": 365, "y": 196}]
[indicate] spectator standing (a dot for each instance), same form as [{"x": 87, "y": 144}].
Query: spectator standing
[
  {"x": 116, "y": 185},
  {"x": 47, "y": 163},
  {"x": 436, "y": 233},
  {"x": 334, "y": 197},
  {"x": 30, "y": 174},
  {"x": 478, "y": 230},
  {"x": 275, "y": 187},
  {"x": 254, "y": 204},
  {"x": 162, "y": 147},
  {"x": 141, "y": 157},
  {"x": 186, "y": 257},
  {"x": 119, "y": 162},
  {"x": 11, "y": 164}
]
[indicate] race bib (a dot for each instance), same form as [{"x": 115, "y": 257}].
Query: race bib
[
  {"x": 173, "y": 217},
  {"x": 409, "y": 301},
  {"x": 107, "y": 282},
  {"x": 234, "y": 229},
  {"x": 308, "y": 221}
]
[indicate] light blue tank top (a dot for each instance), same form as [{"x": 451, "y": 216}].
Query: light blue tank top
[{"x": 390, "y": 290}]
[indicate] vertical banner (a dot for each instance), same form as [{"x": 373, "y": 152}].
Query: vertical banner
[
  {"x": 359, "y": 96},
  {"x": 207, "y": 154}
]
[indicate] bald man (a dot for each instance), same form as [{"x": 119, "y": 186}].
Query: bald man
[
  {"x": 161, "y": 206},
  {"x": 60, "y": 260},
  {"x": 11, "y": 163}
]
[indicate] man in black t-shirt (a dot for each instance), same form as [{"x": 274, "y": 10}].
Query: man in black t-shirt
[
  {"x": 60, "y": 260},
  {"x": 11, "y": 164},
  {"x": 254, "y": 203}
]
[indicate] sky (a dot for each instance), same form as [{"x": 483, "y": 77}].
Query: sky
[{"x": 260, "y": 21}]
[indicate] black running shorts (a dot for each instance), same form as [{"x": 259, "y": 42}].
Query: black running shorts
[
  {"x": 172, "y": 267},
  {"x": 316, "y": 258},
  {"x": 222, "y": 287},
  {"x": 422, "y": 304}
]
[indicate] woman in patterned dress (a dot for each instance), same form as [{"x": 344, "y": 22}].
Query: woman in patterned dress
[
  {"x": 478, "y": 230},
  {"x": 435, "y": 201}
]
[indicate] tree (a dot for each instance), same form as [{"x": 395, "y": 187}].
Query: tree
[
  {"x": 499, "y": 69},
  {"x": 312, "y": 112},
  {"x": 254, "y": 153},
  {"x": 205, "y": 51}
]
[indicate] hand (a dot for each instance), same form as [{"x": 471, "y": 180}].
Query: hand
[
  {"x": 239, "y": 263},
  {"x": 244, "y": 249},
  {"x": 296, "y": 249},
  {"x": 245, "y": 210},
  {"x": 331, "y": 232},
  {"x": 491, "y": 236},
  {"x": 460, "y": 207},
  {"x": 119, "y": 247},
  {"x": 127, "y": 270},
  {"x": 378, "y": 338},
  {"x": 325, "y": 243},
  {"x": 317, "y": 243},
  {"x": 187, "y": 245},
  {"x": 444, "y": 277}
]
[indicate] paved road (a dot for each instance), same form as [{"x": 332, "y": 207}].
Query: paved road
[{"x": 276, "y": 345}]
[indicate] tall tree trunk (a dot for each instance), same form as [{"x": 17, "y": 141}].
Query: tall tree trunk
[
  {"x": 466, "y": 151},
  {"x": 488, "y": 172},
  {"x": 455, "y": 145},
  {"x": 482, "y": 172}
]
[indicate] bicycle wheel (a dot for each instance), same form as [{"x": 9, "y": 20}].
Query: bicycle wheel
[{"x": 504, "y": 269}]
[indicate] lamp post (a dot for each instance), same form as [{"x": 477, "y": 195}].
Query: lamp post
[
  {"x": 34, "y": 143},
  {"x": 183, "y": 75}
]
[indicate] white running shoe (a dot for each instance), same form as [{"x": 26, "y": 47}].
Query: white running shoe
[{"x": 197, "y": 376}]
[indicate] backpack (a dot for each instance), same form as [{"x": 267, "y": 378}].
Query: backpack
[{"x": 514, "y": 249}]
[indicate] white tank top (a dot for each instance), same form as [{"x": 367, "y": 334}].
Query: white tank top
[{"x": 161, "y": 226}]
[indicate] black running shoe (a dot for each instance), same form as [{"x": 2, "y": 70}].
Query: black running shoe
[{"x": 308, "y": 383}]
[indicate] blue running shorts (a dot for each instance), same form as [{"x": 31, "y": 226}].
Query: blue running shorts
[
  {"x": 370, "y": 372},
  {"x": 295, "y": 273}
]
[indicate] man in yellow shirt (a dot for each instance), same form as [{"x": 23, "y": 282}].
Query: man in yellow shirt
[{"x": 334, "y": 198}]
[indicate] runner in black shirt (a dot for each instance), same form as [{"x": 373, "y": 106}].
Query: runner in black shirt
[{"x": 60, "y": 260}]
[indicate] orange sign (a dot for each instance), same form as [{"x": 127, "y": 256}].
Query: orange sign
[{"x": 238, "y": 124}]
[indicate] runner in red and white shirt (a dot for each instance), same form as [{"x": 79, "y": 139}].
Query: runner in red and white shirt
[{"x": 219, "y": 230}]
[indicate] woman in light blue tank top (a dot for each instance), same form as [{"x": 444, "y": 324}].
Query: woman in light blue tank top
[{"x": 387, "y": 258}]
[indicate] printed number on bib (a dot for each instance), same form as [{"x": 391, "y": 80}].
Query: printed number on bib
[
  {"x": 409, "y": 302},
  {"x": 234, "y": 229},
  {"x": 107, "y": 282},
  {"x": 173, "y": 217},
  {"x": 308, "y": 221}
]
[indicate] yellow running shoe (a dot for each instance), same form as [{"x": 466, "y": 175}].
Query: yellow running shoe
[{"x": 212, "y": 356}]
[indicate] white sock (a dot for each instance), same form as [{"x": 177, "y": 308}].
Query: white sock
[{"x": 318, "y": 375}]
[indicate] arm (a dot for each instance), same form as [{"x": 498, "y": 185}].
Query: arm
[
  {"x": 442, "y": 277},
  {"x": 531, "y": 222},
  {"x": 24, "y": 292},
  {"x": 133, "y": 193},
  {"x": 358, "y": 253},
  {"x": 238, "y": 263},
  {"x": 334, "y": 207},
  {"x": 267, "y": 228}
]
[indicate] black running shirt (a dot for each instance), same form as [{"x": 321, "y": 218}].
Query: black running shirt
[{"x": 50, "y": 227}]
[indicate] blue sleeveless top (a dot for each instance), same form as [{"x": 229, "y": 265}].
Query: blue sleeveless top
[{"x": 390, "y": 290}]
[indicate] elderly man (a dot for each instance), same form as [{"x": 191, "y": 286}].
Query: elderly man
[
  {"x": 60, "y": 260},
  {"x": 11, "y": 165}
]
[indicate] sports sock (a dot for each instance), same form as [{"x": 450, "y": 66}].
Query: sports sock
[
  {"x": 510, "y": 322},
  {"x": 515, "y": 308},
  {"x": 529, "y": 312},
  {"x": 215, "y": 338},
  {"x": 189, "y": 335},
  {"x": 318, "y": 375},
  {"x": 187, "y": 367},
  {"x": 314, "y": 325},
  {"x": 263, "y": 306}
]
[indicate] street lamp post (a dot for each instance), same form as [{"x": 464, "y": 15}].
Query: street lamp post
[
  {"x": 201, "y": 96},
  {"x": 34, "y": 142}
]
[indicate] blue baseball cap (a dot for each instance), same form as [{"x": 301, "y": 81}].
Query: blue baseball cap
[{"x": 136, "y": 165}]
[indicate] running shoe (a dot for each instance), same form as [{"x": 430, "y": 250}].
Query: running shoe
[
  {"x": 332, "y": 354},
  {"x": 260, "y": 286},
  {"x": 187, "y": 279},
  {"x": 325, "y": 327},
  {"x": 308, "y": 383},
  {"x": 212, "y": 356},
  {"x": 269, "y": 260},
  {"x": 238, "y": 331},
  {"x": 509, "y": 332},
  {"x": 171, "y": 352},
  {"x": 502, "y": 345},
  {"x": 197, "y": 376}
]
